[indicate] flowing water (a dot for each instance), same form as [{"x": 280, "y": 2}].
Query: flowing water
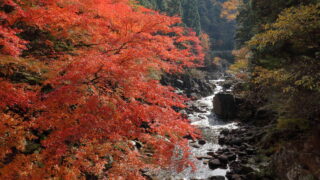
[{"x": 210, "y": 126}]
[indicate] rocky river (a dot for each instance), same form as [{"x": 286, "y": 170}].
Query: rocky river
[
  {"x": 226, "y": 148},
  {"x": 238, "y": 137},
  {"x": 203, "y": 151}
]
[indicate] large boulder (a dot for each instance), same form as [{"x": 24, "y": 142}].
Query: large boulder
[{"x": 224, "y": 106}]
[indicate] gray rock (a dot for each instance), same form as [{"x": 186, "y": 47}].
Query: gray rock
[
  {"x": 224, "y": 106},
  {"x": 236, "y": 141},
  {"x": 222, "y": 140},
  {"x": 211, "y": 154},
  {"x": 214, "y": 164},
  {"x": 231, "y": 156},
  {"x": 201, "y": 142},
  {"x": 223, "y": 159}
]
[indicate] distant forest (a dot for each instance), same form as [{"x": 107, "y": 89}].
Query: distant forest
[{"x": 202, "y": 16}]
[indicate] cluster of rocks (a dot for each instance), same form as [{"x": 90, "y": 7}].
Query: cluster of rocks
[
  {"x": 196, "y": 107},
  {"x": 238, "y": 153},
  {"x": 186, "y": 84},
  {"x": 242, "y": 142}
]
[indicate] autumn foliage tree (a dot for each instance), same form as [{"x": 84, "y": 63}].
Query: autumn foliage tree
[
  {"x": 77, "y": 91},
  {"x": 280, "y": 61},
  {"x": 230, "y": 9}
]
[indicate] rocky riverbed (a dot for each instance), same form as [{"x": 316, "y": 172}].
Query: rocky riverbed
[
  {"x": 239, "y": 138},
  {"x": 225, "y": 147},
  {"x": 204, "y": 150}
]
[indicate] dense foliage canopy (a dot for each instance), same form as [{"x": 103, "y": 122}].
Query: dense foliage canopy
[
  {"x": 79, "y": 87},
  {"x": 281, "y": 44}
]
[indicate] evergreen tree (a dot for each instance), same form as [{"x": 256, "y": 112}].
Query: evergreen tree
[
  {"x": 162, "y": 5},
  {"x": 174, "y": 8},
  {"x": 220, "y": 30},
  {"x": 191, "y": 16}
]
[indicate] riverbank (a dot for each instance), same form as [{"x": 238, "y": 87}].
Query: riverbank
[
  {"x": 241, "y": 142},
  {"x": 266, "y": 148},
  {"x": 246, "y": 146}
]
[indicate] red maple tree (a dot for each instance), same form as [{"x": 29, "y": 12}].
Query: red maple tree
[{"x": 98, "y": 64}]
